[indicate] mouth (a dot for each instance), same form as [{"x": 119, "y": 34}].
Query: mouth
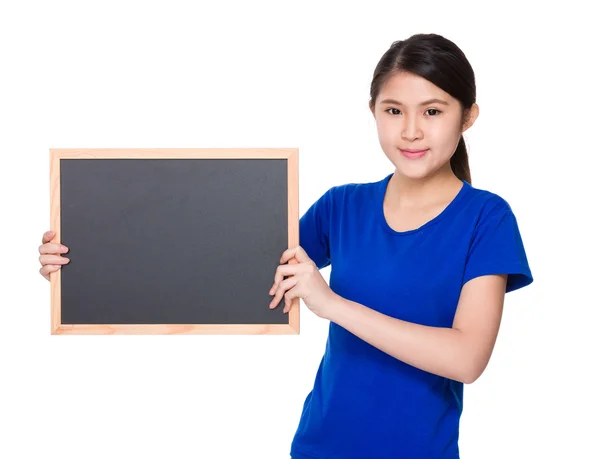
[
  {"x": 411, "y": 153},
  {"x": 412, "y": 150}
]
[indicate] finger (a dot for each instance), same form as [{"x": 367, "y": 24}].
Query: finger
[
  {"x": 53, "y": 260},
  {"x": 53, "y": 247},
  {"x": 46, "y": 270},
  {"x": 286, "y": 284},
  {"x": 285, "y": 270},
  {"x": 295, "y": 252},
  {"x": 289, "y": 296},
  {"x": 47, "y": 237}
]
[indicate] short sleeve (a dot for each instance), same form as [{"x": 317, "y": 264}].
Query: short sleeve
[
  {"x": 497, "y": 248},
  {"x": 314, "y": 230}
]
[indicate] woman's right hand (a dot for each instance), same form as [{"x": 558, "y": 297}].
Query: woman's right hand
[{"x": 50, "y": 255}]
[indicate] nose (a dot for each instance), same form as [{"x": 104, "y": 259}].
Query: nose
[{"x": 411, "y": 130}]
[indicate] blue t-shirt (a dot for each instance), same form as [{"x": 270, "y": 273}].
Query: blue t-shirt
[{"x": 366, "y": 404}]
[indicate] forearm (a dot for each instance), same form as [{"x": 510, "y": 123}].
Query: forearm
[{"x": 438, "y": 350}]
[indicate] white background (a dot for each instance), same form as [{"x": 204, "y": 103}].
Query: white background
[{"x": 292, "y": 74}]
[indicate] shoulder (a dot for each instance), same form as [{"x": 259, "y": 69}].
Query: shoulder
[
  {"x": 352, "y": 191},
  {"x": 343, "y": 199},
  {"x": 495, "y": 242},
  {"x": 485, "y": 204}
]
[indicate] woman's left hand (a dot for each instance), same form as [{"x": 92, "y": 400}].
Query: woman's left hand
[{"x": 305, "y": 282}]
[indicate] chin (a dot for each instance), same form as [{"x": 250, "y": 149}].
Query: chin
[
  {"x": 414, "y": 175},
  {"x": 409, "y": 168}
]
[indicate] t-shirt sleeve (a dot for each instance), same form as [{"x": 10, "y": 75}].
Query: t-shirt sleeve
[
  {"x": 497, "y": 248},
  {"x": 314, "y": 230}
]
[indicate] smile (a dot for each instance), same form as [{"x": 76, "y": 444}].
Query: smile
[{"x": 413, "y": 154}]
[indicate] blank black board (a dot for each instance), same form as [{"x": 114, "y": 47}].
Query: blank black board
[{"x": 173, "y": 240}]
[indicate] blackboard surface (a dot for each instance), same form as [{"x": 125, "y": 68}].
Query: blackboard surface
[{"x": 161, "y": 239}]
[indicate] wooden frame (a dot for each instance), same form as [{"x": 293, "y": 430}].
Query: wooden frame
[{"x": 291, "y": 154}]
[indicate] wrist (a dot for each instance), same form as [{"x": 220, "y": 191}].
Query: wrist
[{"x": 336, "y": 305}]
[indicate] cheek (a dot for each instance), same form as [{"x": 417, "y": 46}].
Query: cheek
[
  {"x": 387, "y": 131},
  {"x": 440, "y": 136}
]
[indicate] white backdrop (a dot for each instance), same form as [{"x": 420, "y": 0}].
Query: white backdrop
[{"x": 282, "y": 74}]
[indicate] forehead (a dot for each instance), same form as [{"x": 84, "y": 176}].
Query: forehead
[{"x": 411, "y": 89}]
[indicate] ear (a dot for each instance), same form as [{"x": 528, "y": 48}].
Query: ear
[
  {"x": 372, "y": 109},
  {"x": 472, "y": 115}
]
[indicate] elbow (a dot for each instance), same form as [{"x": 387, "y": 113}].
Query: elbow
[
  {"x": 470, "y": 378},
  {"x": 472, "y": 373},
  {"x": 475, "y": 364}
]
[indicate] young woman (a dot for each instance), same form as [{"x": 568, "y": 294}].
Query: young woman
[{"x": 420, "y": 263}]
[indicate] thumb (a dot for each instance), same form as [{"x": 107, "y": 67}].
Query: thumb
[
  {"x": 300, "y": 254},
  {"x": 294, "y": 255},
  {"x": 48, "y": 235}
]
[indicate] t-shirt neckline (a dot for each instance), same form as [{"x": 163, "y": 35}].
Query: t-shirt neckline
[{"x": 449, "y": 209}]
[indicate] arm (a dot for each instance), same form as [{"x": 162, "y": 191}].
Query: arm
[{"x": 460, "y": 353}]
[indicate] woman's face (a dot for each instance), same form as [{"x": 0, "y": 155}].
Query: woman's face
[{"x": 411, "y": 122}]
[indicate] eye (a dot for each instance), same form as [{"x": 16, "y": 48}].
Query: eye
[{"x": 429, "y": 110}]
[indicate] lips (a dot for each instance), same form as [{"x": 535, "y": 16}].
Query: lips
[
  {"x": 412, "y": 153},
  {"x": 410, "y": 150}
]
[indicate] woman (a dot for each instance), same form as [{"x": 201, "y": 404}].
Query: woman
[{"x": 420, "y": 263}]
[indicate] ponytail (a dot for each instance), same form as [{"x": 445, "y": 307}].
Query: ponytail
[{"x": 460, "y": 161}]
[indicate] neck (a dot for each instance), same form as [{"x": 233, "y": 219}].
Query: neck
[{"x": 405, "y": 192}]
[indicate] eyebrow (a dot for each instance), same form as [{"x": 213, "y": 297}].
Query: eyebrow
[{"x": 427, "y": 102}]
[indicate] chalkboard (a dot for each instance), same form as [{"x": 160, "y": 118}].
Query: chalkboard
[{"x": 172, "y": 241}]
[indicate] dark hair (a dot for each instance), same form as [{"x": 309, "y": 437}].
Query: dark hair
[{"x": 441, "y": 62}]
